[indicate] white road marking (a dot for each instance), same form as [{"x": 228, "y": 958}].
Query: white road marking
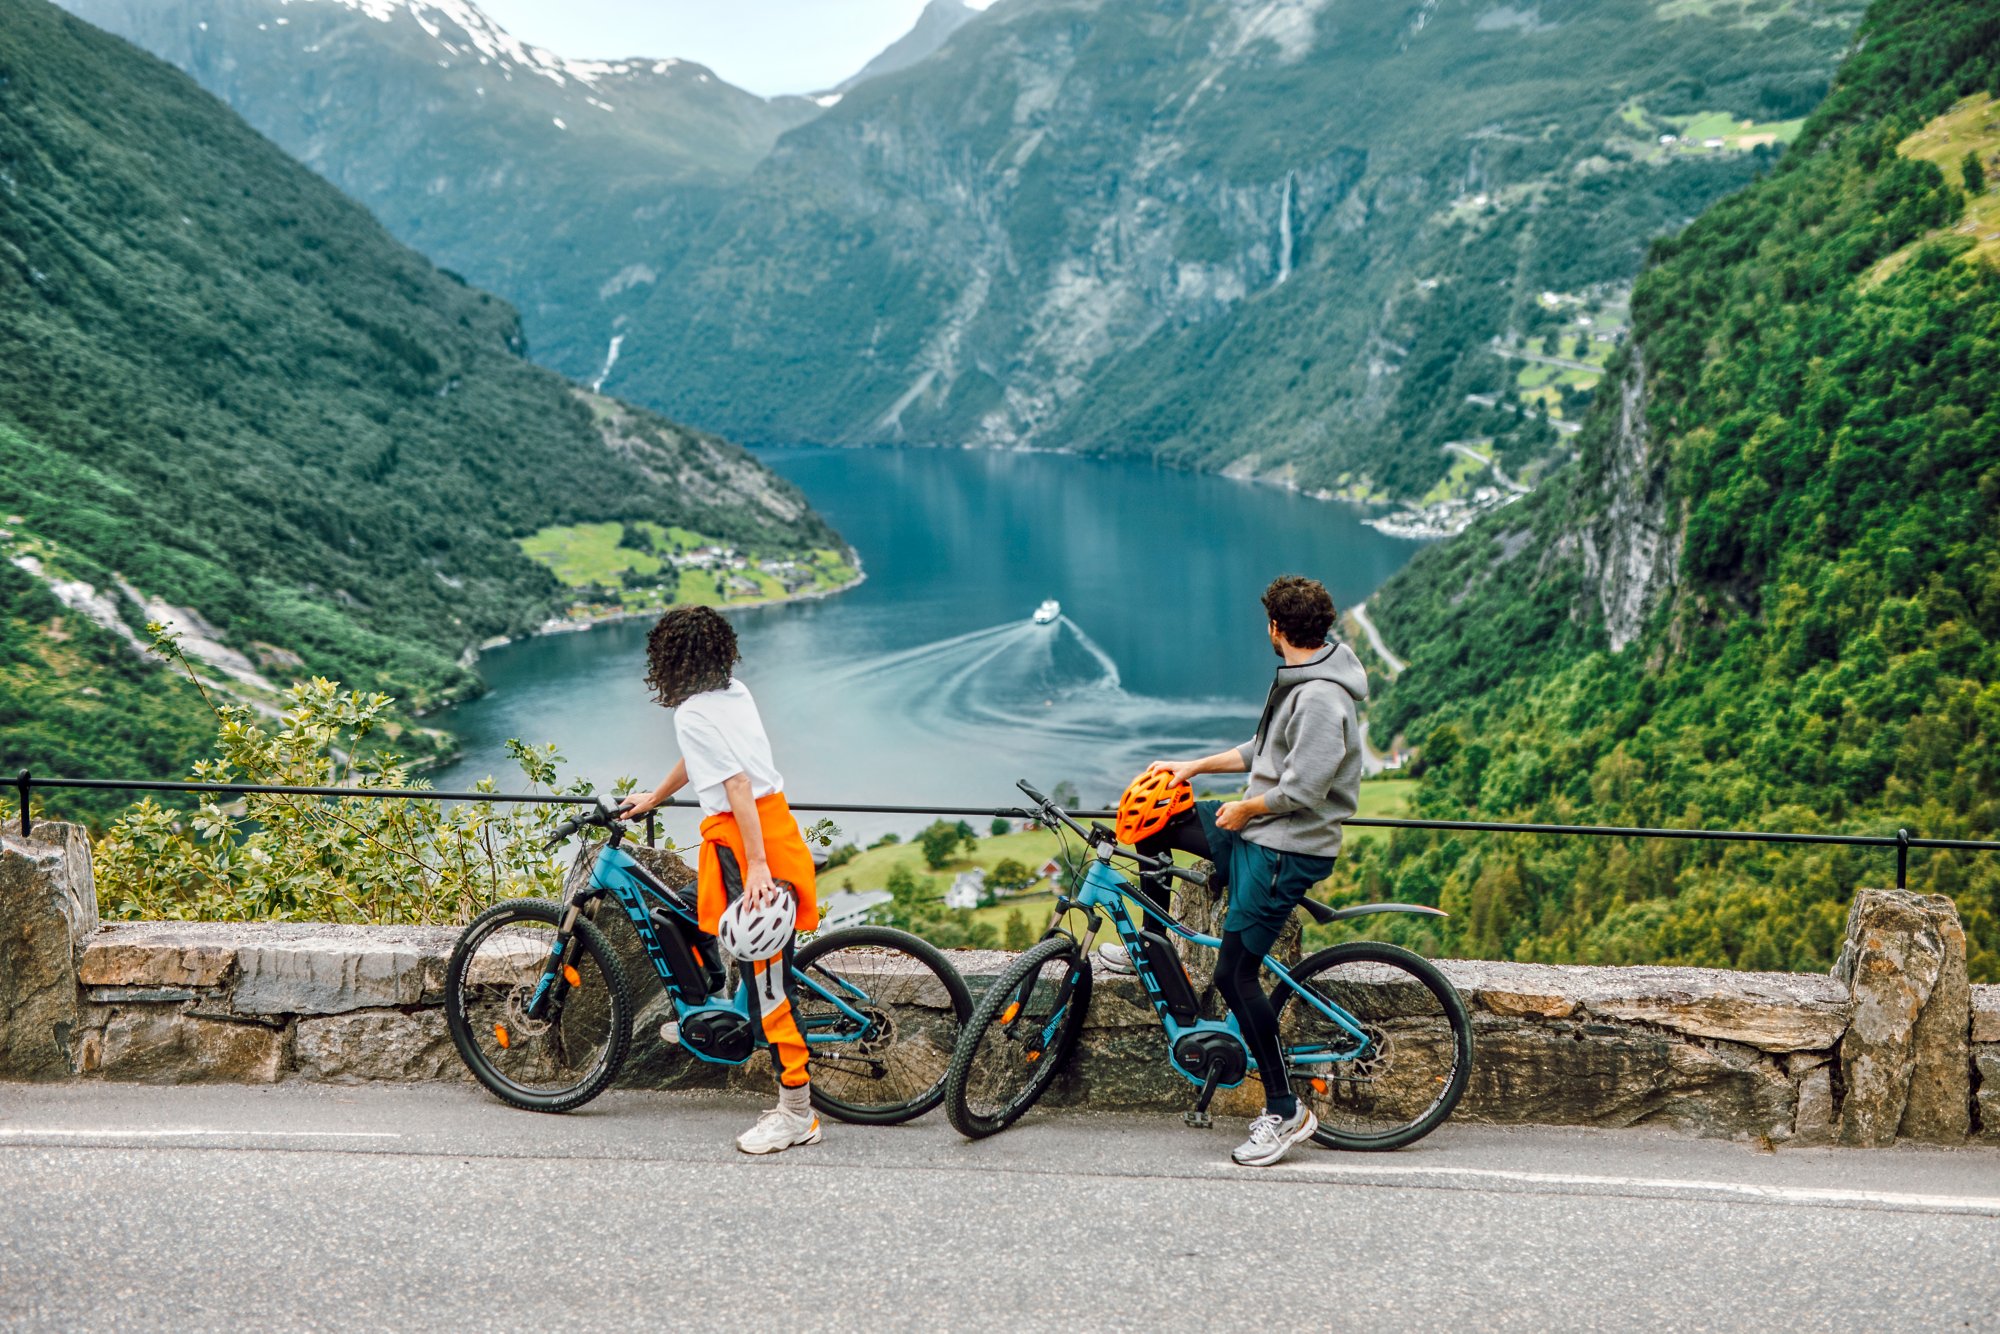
[
  {"x": 1769, "y": 1194},
  {"x": 71, "y": 1132}
]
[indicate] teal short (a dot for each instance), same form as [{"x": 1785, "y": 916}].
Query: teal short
[{"x": 1265, "y": 885}]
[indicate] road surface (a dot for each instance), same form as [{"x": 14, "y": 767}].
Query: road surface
[
  {"x": 1359, "y": 611},
  {"x": 1488, "y": 462},
  {"x": 433, "y": 1207}
]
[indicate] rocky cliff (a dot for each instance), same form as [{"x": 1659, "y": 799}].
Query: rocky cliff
[
  {"x": 563, "y": 185},
  {"x": 1281, "y": 235},
  {"x": 1284, "y": 230}
]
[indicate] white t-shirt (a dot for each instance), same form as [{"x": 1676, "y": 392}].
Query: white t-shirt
[{"x": 721, "y": 736}]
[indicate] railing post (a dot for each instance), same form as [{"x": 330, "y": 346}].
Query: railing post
[
  {"x": 27, "y": 786},
  {"x": 1902, "y": 858}
]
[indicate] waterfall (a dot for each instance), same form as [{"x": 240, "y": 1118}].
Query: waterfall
[
  {"x": 1285, "y": 229},
  {"x": 610, "y": 360}
]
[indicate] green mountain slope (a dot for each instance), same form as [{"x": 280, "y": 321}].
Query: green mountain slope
[
  {"x": 228, "y": 398},
  {"x": 1769, "y": 595},
  {"x": 563, "y": 185},
  {"x": 1276, "y": 234}
]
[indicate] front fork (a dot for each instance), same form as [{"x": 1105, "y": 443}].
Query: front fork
[
  {"x": 561, "y": 974},
  {"x": 1092, "y": 923}
]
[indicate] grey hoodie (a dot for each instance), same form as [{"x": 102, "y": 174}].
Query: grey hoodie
[{"x": 1305, "y": 761}]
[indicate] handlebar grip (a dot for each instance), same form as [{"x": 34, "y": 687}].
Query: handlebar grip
[
  {"x": 563, "y": 832},
  {"x": 1033, "y": 795},
  {"x": 1199, "y": 879}
]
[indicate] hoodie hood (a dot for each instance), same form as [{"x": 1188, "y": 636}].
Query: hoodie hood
[{"x": 1335, "y": 663}]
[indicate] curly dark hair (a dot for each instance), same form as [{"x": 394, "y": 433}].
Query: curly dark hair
[
  {"x": 1302, "y": 608},
  {"x": 690, "y": 649}
]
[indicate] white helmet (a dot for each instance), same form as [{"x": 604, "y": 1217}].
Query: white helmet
[{"x": 751, "y": 935}]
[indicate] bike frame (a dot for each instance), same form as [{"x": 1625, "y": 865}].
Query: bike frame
[
  {"x": 616, "y": 875},
  {"x": 1102, "y": 894}
]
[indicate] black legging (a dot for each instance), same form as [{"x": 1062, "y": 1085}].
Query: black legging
[{"x": 1238, "y": 963}]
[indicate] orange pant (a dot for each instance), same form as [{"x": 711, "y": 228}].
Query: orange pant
[
  {"x": 720, "y": 880},
  {"x": 770, "y": 988}
]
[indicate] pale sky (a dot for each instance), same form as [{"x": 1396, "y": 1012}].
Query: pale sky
[{"x": 767, "y": 46}]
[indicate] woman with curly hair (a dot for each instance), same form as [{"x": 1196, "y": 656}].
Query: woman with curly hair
[{"x": 752, "y": 853}]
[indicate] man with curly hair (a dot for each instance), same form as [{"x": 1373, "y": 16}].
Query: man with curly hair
[
  {"x": 1281, "y": 838},
  {"x": 752, "y": 851}
]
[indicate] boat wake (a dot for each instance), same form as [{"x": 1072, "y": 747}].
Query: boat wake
[{"x": 1010, "y": 701}]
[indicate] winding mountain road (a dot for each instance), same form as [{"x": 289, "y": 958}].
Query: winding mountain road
[
  {"x": 433, "y": 1207},
  {"x": 1396, "y": 666}
]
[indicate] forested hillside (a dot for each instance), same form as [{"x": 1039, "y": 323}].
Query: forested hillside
[
  {"x": 1312, "y": 240},
  {"x": 563, "y": 185},
  {"x": 1279, "y": 235},
  {"x": 1769, "y": 595},
  {"x": 229, "y": 398}
]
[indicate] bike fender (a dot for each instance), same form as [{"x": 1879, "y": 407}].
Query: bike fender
[{"x": 1363, "y": 909}]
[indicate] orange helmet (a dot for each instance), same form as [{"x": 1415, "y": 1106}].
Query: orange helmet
[{"x": 1152, "y": 799}]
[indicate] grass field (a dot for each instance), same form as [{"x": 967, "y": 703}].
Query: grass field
[
  {"x": 1032, "y": 847},
  {"x": 1973, "y": 126},
  {"x": 587, "y": 555}
]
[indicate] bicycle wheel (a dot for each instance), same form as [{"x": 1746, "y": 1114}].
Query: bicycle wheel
[
  {"x": 1399, "y": 1082},
  {"x": 1020, "y": 1036},
  {"x": 567, "y": 1055},
  {"x": 881, "y": 1011}
]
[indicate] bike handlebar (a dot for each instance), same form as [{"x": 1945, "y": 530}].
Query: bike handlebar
[
  {"x": 1097, "y": 835},
  {"x": 603, "y": 815}
]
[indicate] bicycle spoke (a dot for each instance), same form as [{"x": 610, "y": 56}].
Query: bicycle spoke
[
  {"x": 1388, "y": 1084},
  {"x": 882, "y": 1022}
]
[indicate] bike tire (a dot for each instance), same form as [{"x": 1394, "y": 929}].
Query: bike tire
[
  {"x": 920, "y": 1035},
  {"x": 986, "y": 1034},
  {"x": 459, "y": 1001},
  {"x": 1409, "y": 1096}
]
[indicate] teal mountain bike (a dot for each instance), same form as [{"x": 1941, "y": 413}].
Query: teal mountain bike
[
  {"x": 1376, "y": 1041},
  {"x": 540, "y": 1006}
]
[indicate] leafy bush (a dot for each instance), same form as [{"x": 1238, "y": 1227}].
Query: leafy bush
[{"x": 348, "y": 859}]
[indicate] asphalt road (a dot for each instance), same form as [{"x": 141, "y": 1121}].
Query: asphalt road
[{"x": 308, "y": 1206}]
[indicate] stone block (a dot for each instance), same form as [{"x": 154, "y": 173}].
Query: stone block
[
  {"x": 1566, "y": 1072},
  {"x": 326, "y": 975},
  {"x": 1939, "y": 1110},
  {"x": 1986, "y": 1068},
  {"x": 163, "y": 1044},
  {"x": 1774, "y": 1012},
  {"x": 1903, "y": 949},
  {"x": 1814, "y": 1123},
  {"x": 1985, "y": 1005},
  {"x": 377, "y": 1045},
  {"x": 48, "y": 903},
  {"x": 159, "y": 954}
]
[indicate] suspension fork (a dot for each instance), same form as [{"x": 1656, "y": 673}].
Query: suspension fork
[
  {"x": 555, "y": 986},
  {"x": 1067, "y": 991}
]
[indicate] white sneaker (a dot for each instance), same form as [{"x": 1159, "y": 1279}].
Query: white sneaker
[
  {"x": 1272, "y": 1137},
  {"x": 1115, "y": 959},
  {"x": 778, "y": 1130}
]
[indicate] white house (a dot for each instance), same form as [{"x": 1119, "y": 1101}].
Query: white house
[
  {"x": 968, "y": 889},
  {"x": 850, "y": 908}
]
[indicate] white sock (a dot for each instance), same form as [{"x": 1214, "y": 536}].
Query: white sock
[{"x": 795, "y": 1101}]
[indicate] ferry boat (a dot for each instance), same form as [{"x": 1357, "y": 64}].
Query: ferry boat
[{"x": 1046, "y": 613}]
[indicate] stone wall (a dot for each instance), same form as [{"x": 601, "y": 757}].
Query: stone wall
[{"x": 1896, "y": 1044}]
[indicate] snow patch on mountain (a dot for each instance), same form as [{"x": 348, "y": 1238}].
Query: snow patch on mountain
[{"x": 475, "y": 32}]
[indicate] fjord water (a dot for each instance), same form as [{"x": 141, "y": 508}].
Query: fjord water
[{"x": 929, "y": 682}]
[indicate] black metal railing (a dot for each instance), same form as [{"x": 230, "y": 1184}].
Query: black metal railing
[{"x": 1902, "y": 840}]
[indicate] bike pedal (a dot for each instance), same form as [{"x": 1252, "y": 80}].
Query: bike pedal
[{"x": 1198, "y": 1120}]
